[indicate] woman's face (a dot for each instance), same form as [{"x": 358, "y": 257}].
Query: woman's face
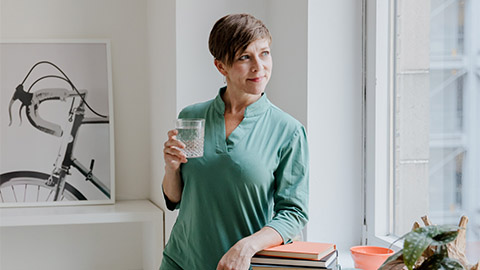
[{"x": 250, "y": 71}]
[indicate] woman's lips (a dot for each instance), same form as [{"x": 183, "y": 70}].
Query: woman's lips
[{"x": 256, "y": 79}]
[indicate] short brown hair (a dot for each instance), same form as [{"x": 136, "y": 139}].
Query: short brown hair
[{"x": 233, "y": 33}]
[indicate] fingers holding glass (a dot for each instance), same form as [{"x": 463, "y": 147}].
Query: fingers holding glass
[{"x": 172, "y": 150}]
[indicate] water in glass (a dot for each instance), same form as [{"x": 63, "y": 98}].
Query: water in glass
[{"x": 192, "y": 135}]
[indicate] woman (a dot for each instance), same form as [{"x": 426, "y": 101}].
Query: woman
[{"x": 250, "y": 189}]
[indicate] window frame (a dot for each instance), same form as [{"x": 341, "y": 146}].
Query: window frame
[
  {"x": 377, "y": 134},
  {"x": 378, "y": 112}
]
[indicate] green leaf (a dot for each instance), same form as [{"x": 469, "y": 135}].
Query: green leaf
[
  {"x": 447, "y": 228},
  {"x": 430, "y": 231},
  {"x": 392, "y": 258},
  {"x": 438, "y": 262},
  {"x": 435, "y": 230},
  {"x": 442, "y": 251},
  {"x": 415, "y": 243},
  {"x": 444, "y": 238},
  {"x": 452, "y": 264}
]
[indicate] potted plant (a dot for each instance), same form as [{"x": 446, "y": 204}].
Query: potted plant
[{"x": 432, "y": 247}]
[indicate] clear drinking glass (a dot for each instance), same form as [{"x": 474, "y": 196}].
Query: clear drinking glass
[{"x": 191, "y": 132}]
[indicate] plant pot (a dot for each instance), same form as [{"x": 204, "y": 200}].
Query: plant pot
[{"x": 370, "y": 257}]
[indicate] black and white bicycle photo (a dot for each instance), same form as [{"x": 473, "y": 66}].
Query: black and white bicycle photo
[{"x": 56, "y": 124}]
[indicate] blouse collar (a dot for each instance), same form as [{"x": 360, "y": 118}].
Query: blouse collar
[{"x": 257, "y": 108}]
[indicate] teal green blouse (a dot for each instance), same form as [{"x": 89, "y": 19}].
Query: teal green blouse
[{"x": 256, "y": 177}]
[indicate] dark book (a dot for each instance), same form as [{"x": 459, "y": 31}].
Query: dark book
[
  {"x": 324, "y": 262},
  {"x": 332, "y": 266}
]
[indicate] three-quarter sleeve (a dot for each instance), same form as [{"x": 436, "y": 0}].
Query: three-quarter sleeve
[
  {"x": 291, "y": 182},
  {"x": 170, "y": 205}
]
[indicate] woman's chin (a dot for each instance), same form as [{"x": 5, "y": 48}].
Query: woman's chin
[
  {"x": 256, "y": 92},
  {"x": 257, "y": 89}
]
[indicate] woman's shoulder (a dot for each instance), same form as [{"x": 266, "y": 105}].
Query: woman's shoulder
[
  {"x": 285, "y": 119},
  {"x": 197, "y": 110}
]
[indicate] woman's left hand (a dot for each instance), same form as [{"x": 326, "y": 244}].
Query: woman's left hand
[{"x": 237, "y": 257}]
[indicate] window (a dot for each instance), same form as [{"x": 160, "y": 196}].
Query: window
[{"x": 422, "y": 117}]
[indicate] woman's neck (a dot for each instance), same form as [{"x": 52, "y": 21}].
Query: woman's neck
[{"x": 236, "y": 102}]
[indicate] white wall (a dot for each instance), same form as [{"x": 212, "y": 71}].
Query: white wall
[
  {"x": 124, "y": 23},
  {"x": 287, "y": 23},
  {"x": 335, "y": 121},
  {"x": 162, "y": 73}
]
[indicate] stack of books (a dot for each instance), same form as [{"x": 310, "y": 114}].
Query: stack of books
[{"x": 297, "y": 255}]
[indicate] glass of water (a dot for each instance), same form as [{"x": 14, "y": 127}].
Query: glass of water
[{"x": 191, "y": 132}]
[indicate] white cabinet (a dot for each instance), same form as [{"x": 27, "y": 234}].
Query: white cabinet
[{"x": 127, "y": 235}]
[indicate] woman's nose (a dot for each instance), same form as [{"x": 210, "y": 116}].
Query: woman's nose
[{"x": 256, "y": 65}]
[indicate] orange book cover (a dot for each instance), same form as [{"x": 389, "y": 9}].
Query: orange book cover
[{"x": 300, "y": 249}]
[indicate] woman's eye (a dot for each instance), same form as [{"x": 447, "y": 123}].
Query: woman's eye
[
  {"x": 244, "y": 57},
  {"x": 265, "y": 53}
]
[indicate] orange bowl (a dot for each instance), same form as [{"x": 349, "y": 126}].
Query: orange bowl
[{"x": 370, "y": 257}]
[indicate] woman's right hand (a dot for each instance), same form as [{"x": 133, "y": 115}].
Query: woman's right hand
[{"x": 172, "y": 154}]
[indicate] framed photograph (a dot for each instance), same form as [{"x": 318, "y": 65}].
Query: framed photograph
[{"x": 56, "y": 123}]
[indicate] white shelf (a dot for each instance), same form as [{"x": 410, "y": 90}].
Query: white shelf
[
  {"x": 122, "y": 211},
  {"x": 37, "y": 219}
]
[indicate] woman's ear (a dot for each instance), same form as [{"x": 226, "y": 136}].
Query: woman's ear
[{"x": 221, "y": 67}]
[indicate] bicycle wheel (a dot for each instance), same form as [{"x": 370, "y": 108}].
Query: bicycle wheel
[{"x": 30, "y": 186}]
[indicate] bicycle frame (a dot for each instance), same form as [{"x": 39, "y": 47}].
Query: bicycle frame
[{"x": 65, "y": 159}]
